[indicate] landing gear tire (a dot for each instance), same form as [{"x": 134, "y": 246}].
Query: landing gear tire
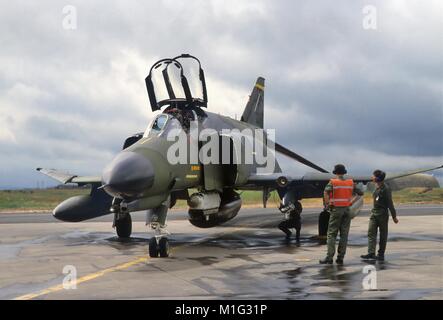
[
  {"x": 153, "y": 248},
  {"x": 160, "y": 248},
  {"x": 323, "y": 222},
  {"x": 163, "y": 247},
  {"x": 124, "y": 226}
]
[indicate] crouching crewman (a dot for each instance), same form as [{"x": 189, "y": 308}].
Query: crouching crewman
[{"x": 292, "y": 220}]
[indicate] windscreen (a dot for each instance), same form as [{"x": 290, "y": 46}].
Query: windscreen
[
  {"x": 162, "y": 125},
  {"x": 157, "y": 125}
]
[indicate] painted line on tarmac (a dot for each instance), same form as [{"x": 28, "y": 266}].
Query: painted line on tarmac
[
  {"x": 88, "y": 277},
  {"x": 126, "y": 265}
]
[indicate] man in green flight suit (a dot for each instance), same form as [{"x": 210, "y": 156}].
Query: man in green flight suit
[
  {"x": 379, "y": 217},
  {"x": 338, "y": 196}
]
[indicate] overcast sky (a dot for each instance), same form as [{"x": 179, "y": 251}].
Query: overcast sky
[{"x": 335, "y": 91}]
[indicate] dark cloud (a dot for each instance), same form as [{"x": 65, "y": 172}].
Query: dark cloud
[
  {"x": 397, "y": 120},
  {"x": 68, "y": 98}
]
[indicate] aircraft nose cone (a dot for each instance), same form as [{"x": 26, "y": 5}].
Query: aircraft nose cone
[{"x": 129, "y": 174}]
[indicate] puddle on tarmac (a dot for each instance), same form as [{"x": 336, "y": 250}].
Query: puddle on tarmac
[
  {"x": 205, "y": 261},
  {"x": 414, "y": 237},
  {"x": 12, "y": 250},
  {"x": 248, "y": 241},
  {"x": 275, "y": 280}
]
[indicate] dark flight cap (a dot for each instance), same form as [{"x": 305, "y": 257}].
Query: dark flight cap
[{"x": 339, "y": 169}]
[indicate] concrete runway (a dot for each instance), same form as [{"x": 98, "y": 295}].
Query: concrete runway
[{"x": 247, "y": 258}]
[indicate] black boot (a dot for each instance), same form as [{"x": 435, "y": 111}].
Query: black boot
[
  {"x": 325, "y": 261},
  {"x": 283, "y": 228},
  {"x": 339, "y": 261},
  {"x": 288, "y": 235},
  {"x": 297, "y": 236},
  {"x": 369, "y": 256},
  {"x": 380, "y": 257}
]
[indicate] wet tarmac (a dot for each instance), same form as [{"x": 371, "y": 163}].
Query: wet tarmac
[{"x": 247, "y": 258}]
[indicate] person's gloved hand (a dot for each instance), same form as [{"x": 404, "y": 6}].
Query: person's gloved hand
[{"x": 285, "y": 209}]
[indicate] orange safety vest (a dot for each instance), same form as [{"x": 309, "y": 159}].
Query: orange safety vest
[{"x": 341, "y": 195}]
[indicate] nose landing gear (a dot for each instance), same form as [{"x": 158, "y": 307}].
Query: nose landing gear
[
  {"x": 159, "y": 244},
  {"x": 159, "y": 247},
  {"x": 123, "y": 226},
  {"x": 122, "y": 220},
  {"x": 156, "y": 218}
]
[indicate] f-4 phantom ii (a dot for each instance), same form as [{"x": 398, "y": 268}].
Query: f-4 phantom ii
[{"x": 148, "y": 175}]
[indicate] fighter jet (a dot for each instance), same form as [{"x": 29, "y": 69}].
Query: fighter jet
[{"x": 146, "y": 175}]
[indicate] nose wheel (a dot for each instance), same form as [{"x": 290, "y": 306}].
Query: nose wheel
[
  {"x": 159, "y": 247},
  {"x": 124, "y": 226},
  {"x": 122, "y": 220}
]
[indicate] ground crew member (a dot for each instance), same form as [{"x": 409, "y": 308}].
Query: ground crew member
[
  {"x": 338, "y": 196},
  {"x": 292, "y": 220},
  {"x": 379, "y": 217}
]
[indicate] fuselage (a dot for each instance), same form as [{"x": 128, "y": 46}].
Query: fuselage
[{"x": 144, "y": 169}]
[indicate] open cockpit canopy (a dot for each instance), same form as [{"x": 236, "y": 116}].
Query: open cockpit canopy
[{"x": 177, "y": 82}]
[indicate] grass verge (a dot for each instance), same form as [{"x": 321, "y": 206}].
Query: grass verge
[{"x": 47, "y": 199}]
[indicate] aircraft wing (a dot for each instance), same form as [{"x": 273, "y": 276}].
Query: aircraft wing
[
  {"x": 280, "y": 180},
  {"x": 65, "y": 177},
  {"x": 409, "y": 173}
]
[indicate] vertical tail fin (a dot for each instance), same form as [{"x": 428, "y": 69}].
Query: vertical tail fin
[{"x": 254, "y": 109}]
